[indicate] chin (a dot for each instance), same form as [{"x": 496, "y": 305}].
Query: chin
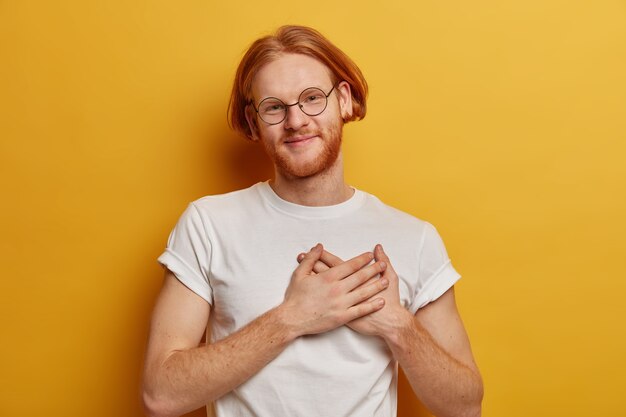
[
  {"x": 302, "y": 170},
  {"x": 318, "y": 164}
]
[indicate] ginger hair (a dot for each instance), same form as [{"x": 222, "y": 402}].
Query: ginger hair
[{"x": 293, "y": 40}]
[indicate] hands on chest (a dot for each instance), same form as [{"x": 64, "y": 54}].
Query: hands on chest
[{"x": 326, "y": 292}]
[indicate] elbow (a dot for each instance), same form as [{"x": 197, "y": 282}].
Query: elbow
[
  {"x": 154, "y": 406},
  {"x": 474, "y": 407},
  {"x": 157, "y": 401},
  {"x": 470, "y": 407},
  {"x": 467, "y": 411},
  {"x": 475, "y": 411}
]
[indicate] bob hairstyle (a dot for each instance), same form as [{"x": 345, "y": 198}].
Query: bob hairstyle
[{"x": 293, "y": 40}]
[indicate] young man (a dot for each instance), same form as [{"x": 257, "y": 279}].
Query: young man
[{"x": 295, "y": 330}]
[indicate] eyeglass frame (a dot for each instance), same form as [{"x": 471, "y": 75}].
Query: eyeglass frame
[{"x": 291, "y": 105}]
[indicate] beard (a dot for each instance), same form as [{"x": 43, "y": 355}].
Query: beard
[{"x": 290, "y": 167}]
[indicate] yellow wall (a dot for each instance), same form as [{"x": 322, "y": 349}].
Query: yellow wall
[{"x": 501, "y": 122}]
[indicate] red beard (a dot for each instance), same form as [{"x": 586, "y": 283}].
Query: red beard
[{"x": 287, "y": 166}]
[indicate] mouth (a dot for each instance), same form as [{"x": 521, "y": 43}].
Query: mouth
[{"x": 300, "y": 139}]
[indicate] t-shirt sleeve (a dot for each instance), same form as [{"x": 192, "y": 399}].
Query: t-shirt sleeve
[
  {"x": 436, "y": 273},
  {"x": 188, "y": 253}
]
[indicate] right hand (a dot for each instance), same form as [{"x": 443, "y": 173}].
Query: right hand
[{"x": 319, "y": 302}]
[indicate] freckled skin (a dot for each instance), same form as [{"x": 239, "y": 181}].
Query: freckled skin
[{"x": 285, "y": 78}]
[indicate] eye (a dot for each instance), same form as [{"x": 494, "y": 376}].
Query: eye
[
  {"x": 312, "y": 97},
  {"x": 271, "y": 107}
]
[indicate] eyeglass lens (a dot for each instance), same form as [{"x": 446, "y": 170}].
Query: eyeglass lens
[{"x": 312, "y": 102}]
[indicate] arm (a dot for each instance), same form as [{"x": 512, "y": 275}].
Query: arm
[
  {"x": 433, "y": 349},
  {"x": 180, "y": 376},
  {"x": 432, "y": 346}
]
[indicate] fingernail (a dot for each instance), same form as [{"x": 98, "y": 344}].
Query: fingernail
[
  {"x": 383, "y": 265},
  {"x": 384, "y": 282},
  {"x": 380, "y": 302}
]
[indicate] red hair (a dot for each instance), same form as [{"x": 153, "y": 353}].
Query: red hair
[{"x": 293, "y": 40}]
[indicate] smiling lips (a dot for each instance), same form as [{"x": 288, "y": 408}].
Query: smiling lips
[{"x": 299, "y": 139}]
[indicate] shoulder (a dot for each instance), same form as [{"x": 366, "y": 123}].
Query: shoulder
[
  {"x": 406, "y": 225},
  {"x": 227, "y": 202},
  {"x": 385, "y": 213}
]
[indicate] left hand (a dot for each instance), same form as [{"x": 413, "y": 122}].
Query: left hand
[{"x": 382, "y": 321}]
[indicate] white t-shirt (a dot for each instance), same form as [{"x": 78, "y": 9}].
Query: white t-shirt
[{"x": 238, "y": 252}]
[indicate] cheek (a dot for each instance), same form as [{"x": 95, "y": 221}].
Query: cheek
[{"x": 269, "y": 134}]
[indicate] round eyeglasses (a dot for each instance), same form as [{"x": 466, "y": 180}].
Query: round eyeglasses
[{"x": 312, "y": 101}]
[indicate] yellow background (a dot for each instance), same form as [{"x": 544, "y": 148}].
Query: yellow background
[{"x": 501, "y": 122}]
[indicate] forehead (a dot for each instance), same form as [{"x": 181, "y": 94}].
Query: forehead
[{"x": 287, "y": 76}]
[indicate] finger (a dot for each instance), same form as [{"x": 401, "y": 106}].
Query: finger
[
  {"x": 351, "y": 266},
  {"x": 372, "y": 279},
  {"x": 319, "y": 266},
  {"x": 330, "y": 259},
  {"x": 310, "y": 258},
  {"x": 365, "y": 308},
  {"x": 367, "y": 291},
  {"x": 363, "y": 275},
  {"x": 381, "y": 255}
]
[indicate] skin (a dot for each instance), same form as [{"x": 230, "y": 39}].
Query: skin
[
  {"x": 300, "y": 140},
  {"x": 181, "y": 375},
  {"x": 431, "y": 346}
]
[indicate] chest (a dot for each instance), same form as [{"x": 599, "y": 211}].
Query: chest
[{"x": 252, "y": 261}]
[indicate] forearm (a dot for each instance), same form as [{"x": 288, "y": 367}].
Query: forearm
[
  {"x": 180, "y": 377},
  {"x": 189, "y": 379},
  {"x": 447, "y": 386}
]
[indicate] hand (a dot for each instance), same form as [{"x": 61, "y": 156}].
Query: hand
[
  {"x": 378, "y": 322},
  {"x": 319, "y": 302}
]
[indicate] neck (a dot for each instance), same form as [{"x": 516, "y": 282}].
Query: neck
[{"x": 326, "y": 188}]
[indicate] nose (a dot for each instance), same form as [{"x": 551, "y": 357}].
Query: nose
[{"x": 295, "y": 118}]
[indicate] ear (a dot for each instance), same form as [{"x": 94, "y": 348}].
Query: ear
[
  {"x": 344, "y": 93},
  {"x": 252, "y": 123}
]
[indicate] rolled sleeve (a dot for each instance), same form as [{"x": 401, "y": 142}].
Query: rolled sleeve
[
  {"x": 436, "y": 273},
  {"x": 188, "y": 253}
]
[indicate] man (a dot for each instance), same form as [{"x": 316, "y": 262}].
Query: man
[{"x": 295, "y": 330}]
